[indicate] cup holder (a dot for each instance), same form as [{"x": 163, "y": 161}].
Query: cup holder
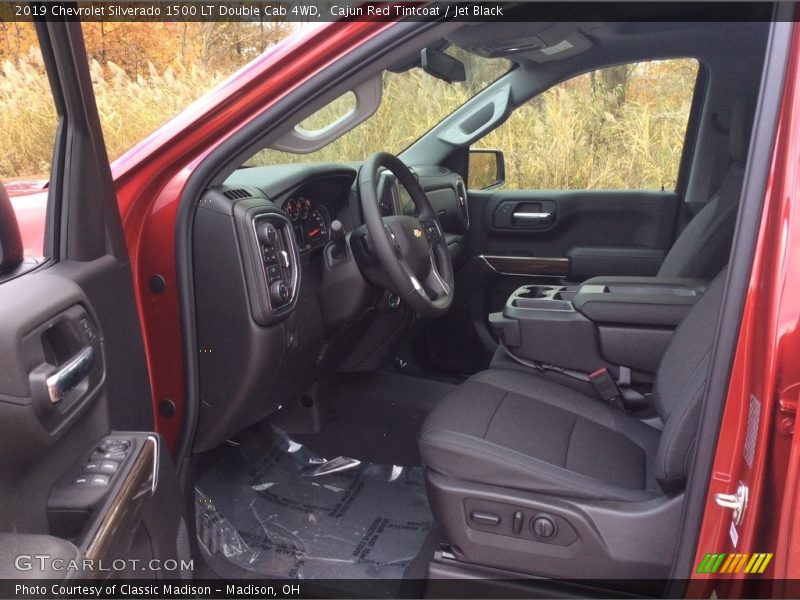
[{"x": 543, "y": 297}]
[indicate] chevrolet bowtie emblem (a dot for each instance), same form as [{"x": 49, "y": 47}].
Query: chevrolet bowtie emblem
[{"x": 417, "y": 233}]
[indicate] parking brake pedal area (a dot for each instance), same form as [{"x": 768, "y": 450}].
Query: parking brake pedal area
[{"x": 292, "y": 514}]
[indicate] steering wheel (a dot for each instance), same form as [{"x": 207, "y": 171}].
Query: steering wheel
[{"x": 412, "y": 250}]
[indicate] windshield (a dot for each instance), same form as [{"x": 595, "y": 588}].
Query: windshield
[{"x": 412, "y": 103}]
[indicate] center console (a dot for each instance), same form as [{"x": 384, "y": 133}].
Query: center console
[{"x": 604, "y": 322}]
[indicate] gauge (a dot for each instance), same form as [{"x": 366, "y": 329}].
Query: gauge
[
  {"x": 304, "y": 207},
  {"x": 292, "y": 209},
  {"x": 316, "y": 229}
]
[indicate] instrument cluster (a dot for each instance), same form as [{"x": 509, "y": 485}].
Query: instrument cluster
[{"x": 310, "y": 220}]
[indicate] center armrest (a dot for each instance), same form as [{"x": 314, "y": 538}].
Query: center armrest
[{"x": 652, "y": 301}]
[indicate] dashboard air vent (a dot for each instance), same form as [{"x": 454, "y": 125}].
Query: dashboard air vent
[{"x": 235, "y": 194}]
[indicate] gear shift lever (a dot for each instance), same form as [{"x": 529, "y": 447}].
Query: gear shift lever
[{"x": 337, "y": 238}]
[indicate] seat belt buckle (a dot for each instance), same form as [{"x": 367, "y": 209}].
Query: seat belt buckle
[{"x": 605, "y": 387}]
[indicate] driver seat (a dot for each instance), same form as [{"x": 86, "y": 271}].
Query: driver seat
[{"x": 531, "y": 476}]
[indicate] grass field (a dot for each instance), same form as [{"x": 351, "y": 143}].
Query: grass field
[{"x": 583, "y": 134}]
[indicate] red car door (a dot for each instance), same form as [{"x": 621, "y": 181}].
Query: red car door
[{"x": 750, "y": 538}]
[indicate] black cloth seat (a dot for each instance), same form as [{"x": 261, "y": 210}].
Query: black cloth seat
[
  {"x": 517, "y": 430},
  {"x": 703, "y": 247}
]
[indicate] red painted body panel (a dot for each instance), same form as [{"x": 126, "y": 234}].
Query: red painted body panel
[
  {"x": 31, "y": 211},
  {"x": 766, "y": 363},
  {"x": 151, "y": 177}
]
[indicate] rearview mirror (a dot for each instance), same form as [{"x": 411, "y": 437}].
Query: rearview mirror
[
  {"x": 487, "y": 169},
  {"x": 11, "y": 252},
  {"x": 442, "y": 66}
]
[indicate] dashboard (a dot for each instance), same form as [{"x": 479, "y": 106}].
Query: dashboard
[{"x": 272, "y": 300}]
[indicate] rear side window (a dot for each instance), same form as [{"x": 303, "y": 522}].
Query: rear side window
[{"x": 621, "y": 127}]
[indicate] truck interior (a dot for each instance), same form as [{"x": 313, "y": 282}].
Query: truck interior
[{"x": 400, "y": 375}]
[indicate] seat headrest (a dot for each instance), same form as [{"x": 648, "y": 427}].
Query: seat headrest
[{"x": 740, "y": 129}]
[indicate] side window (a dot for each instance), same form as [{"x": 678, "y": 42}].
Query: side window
[
  {"x": 29, "y": 122},
  {"x": 622, "y": 127}
]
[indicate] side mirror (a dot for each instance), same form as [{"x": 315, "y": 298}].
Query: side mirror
[
  {"x": 487, "y": 169},
  {"x": 11, "y": 250}
]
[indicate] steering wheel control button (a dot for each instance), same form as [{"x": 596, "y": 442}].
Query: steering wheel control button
[
  {"x": 543, "y": 527},
  {"x": 99, "y": 480},
  {"x": 484, "y": 518},
  {"x": 393, "y": 300},
  {"x": 516, "y": 522}
]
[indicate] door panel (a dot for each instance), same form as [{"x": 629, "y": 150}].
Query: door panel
[
  {"x": 80, "y": 468},
  {"x": 606, "y": 232},
  {"x": 571, "y": 235}
]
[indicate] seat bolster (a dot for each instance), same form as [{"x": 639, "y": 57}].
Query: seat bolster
[{"x": 471, "y": 458}]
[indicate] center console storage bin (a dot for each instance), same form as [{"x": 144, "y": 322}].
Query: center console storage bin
[{"x": 604, "y": 322}]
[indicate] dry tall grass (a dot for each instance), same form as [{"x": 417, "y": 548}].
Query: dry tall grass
[
  {"x": 129, "y": 107},
  {"x": 574, "y": 136}
]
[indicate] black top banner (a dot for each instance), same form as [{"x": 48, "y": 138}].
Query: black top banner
[{"x": 308, "y": 11}]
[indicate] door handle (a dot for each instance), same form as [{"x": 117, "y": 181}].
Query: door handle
[
  {"x": 70, "y": 375},
  {"x": 532, "y": 218}
]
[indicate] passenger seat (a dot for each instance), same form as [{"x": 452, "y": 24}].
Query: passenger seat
[{"x": 703, "y": 247}]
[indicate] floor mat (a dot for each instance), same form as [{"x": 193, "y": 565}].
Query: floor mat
[
  {"x": 377, "y": 417},
  {"x": 292, "y": 514}
]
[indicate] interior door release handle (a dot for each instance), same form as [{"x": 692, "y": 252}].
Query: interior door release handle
[
  {"x": 522, "y": 217},
  {"x": 70, "y": 375}
]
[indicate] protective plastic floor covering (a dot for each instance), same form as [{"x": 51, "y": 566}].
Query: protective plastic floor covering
[{"x": 284, "y": 516}]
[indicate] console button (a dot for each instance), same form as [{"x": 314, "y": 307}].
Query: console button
[
  {"x": 99, "y": 480},
  {"x": 109, "y": 467},
  {"x": 101, "y": 456},
  {"x": 484, "y": 518},
  {"x": 107, "y": 446},
  {"x": 543, "y": 527},
  {"x": 279, "y": 293},
  {"x": 273, "y": 273},
  {"x": 516, "y": 523}
]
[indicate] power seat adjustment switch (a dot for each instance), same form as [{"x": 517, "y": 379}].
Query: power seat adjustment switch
[{"x": 543, "y": 527}]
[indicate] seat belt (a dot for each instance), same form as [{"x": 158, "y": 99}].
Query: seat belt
[{"x": 604, "y": 385}]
